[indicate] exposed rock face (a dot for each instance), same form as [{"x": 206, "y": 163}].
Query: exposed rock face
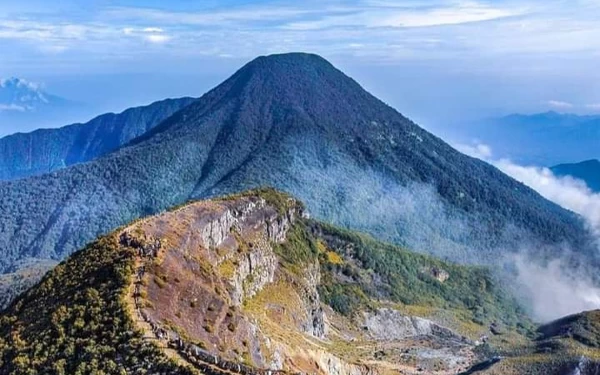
[
  {"x": 585, "y": 366},
  {"x": 437, "y": 273},
  {"x": 215, "y": 231},
  {"x": 388, "y": 324},
  {"x": 440, "y": 274},
  {"x": 221, "y": 276},
  {"x": 315, "y": 324},
  {"x": 254, "y": 270},
  {"x": 332, "y": 365}
]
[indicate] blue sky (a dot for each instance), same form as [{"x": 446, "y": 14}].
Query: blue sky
[{"x": 436, "y": 61}]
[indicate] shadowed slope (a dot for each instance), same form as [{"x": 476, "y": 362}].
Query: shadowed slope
[{"x": 46, "y": 150}]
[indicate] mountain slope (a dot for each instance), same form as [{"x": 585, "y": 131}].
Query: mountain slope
[
  {"x": 586, "y": 171},
  {"x": 294, "y": 122},
  {"x": 76, "y": 321},
  {"x": 247, "y": 284},
  {"x": 243, "y": 283},
  {"x": 45, "y": 150}
]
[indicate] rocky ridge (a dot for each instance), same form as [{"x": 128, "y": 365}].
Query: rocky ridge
[{"x": 219, "y": 287}]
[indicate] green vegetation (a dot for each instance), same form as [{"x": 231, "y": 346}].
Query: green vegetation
[
  {"x": 274, "y": 198},
  {"x": 13, "y": 284},
  {"x": 296, "y": 123},
  {"x": 374, "y": 270},
  {"x": 76, "y": 321},
  {"x": 299, "y": 248},
  {"x": 583, "y": 328},
  {"x": 46, "y": 150}
]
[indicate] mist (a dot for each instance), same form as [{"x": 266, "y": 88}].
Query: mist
[
  {"x": 567, "y": 192},
  {"x": 557, "y": 287}
]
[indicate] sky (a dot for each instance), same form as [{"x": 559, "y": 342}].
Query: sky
[{"x": 436, "y": 61}]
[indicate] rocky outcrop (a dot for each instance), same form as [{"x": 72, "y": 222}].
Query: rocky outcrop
[
  {"x": 315, "y": 323},
  {"x": 386, "y": 324},
  {"x": 332, "y": 365},
  {"x": 278, "y": 226},
  {"x": 218, "y": 229},
  {"x": 253, "y": 271},
  {"x": 437, "y": 273}
]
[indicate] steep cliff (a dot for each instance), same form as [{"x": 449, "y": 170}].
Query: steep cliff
[{"x": 240, "y": 281}]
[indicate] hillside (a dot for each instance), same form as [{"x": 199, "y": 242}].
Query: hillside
[
  {"x": 46, "y": 150},
  {"x": 76, "y": 321},
  {"x": 587, "y": 171},
  {"x": 249, "y": 279},
  {"x": 570, "y": 345},
  {"x": 297, "y": 123},
  {"x": 247, "y": 284}
]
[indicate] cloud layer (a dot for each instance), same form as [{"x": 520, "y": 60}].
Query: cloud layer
[
  {"x": 555, "y": 288},
  {"x": 379, "y": 29},
  {"x": 567, "y": 192}
]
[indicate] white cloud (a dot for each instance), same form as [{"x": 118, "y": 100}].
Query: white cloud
[
  {"x": 567, "y": 192},
  {"x": 211, "y": 17},
  {"x": 380, "y": 31},
  {"x": 558, "y": 104},
  {"x": 153, "y": 30},
  {"x": 12, "y": 107},
  {"x": 389, "y": 16},
  {"x": 554, "y": 289},
  {"x": 157, "y": 38},
  {"x": 570, "y": 193},
  {"x": 151, "y": 34},
  {"x": 594, "y": 106},
  {"x": 478, "y": 150}
]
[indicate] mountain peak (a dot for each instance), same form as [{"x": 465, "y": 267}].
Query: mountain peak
[
  {"x": 290, "y": 69},
  {"x": 14, "y": 82},
  {"x": 299, "y": 85},
  {"x": 292, "y": 58},
  {"x": 17, "y": 94}
]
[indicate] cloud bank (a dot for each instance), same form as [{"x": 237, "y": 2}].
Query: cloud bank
[
  {"x": 570, "y": 193},
  {"x": 555, "y": 288}
]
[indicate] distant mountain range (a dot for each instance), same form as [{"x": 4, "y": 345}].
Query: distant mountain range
[
  {"x": 543, "y": 139},
  {"x": 46, "y": 150},
  {"x": 297, "y": 123},
  {"x": 587, "y": 171},
  {"x": 25, "y": 106}
]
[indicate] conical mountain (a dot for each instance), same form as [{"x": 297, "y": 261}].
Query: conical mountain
[{"x": 294, "y": 122}]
